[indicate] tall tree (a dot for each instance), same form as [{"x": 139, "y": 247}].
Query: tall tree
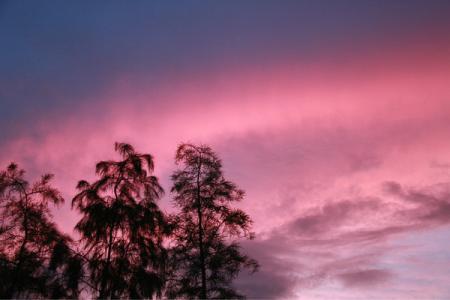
[
  {"x": 122, "y": 227},
  {"x": 206, "y": 257},
  {"x": 35, "y": 258}
]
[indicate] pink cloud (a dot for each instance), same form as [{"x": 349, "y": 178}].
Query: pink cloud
[{"x": 310, "y": 144}]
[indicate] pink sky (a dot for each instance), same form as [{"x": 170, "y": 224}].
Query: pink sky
[{"x": 345, "y": 162}]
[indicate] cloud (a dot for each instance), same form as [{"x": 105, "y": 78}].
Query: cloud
[
  {"x": 365, "y": 278},
  {"x": 332, "y": 215},
  {"x": 275, "y": 279},
  {"x": 344, "y": 241},
  {"x": 299, "y": 256},
  {"x": 431, "y": 204},
  {"x": 307, "y": 141}
]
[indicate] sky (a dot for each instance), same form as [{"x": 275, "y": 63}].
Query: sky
[{"x": 333, "y": 116}]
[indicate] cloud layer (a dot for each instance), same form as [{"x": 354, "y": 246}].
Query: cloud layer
[{"x": 338, "y": 133}]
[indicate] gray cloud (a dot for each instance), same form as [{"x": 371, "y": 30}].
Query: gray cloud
[
  {"x": 332, "y": 215},
  {"x": 313, "y": 248},
  {"x": 365, "y": 278}
]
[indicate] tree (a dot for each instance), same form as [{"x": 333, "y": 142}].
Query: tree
[
  {"x": 206, "y": 258},
  {"x": 122, "y": 228},
  {"x": 35, "y": 258}
]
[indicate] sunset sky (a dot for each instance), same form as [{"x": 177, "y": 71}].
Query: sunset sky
[{"x": 333, "y": 116}]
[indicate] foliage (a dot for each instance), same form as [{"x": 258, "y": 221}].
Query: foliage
[
  {"x": 35, "y": 258},
  {"x": 205, "y": 258},
  {"x": 124, "y": 234},
  {"x": 122, "y": 228}
]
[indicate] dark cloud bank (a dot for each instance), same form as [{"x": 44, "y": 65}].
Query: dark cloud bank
[{"x": 319, "y": 246}]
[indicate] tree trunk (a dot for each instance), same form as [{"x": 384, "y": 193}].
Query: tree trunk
[
  {"x": 16, "y": 285},
  {"x": 105, "y": 272},
  {"x": 200, "y": 233},
  {"x": 105, "y": 275}
]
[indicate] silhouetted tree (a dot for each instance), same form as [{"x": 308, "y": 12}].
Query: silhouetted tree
[
  {"x": 122, "y": 228},
  {"x": 35, "y": 258},
  {"x": 206, "y": 259}
]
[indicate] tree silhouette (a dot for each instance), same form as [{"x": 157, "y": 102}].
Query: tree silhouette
[
  {"x": 35, "y": 258},
  {"x": 206, "y": 259},
  {"x": 122, "y": 228}
]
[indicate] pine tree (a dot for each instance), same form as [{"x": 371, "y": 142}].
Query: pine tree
[
  {"x": 122, "y": 227},
  {"x": 206, "y": 257},
  {"x": 35, "y": 257}
]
